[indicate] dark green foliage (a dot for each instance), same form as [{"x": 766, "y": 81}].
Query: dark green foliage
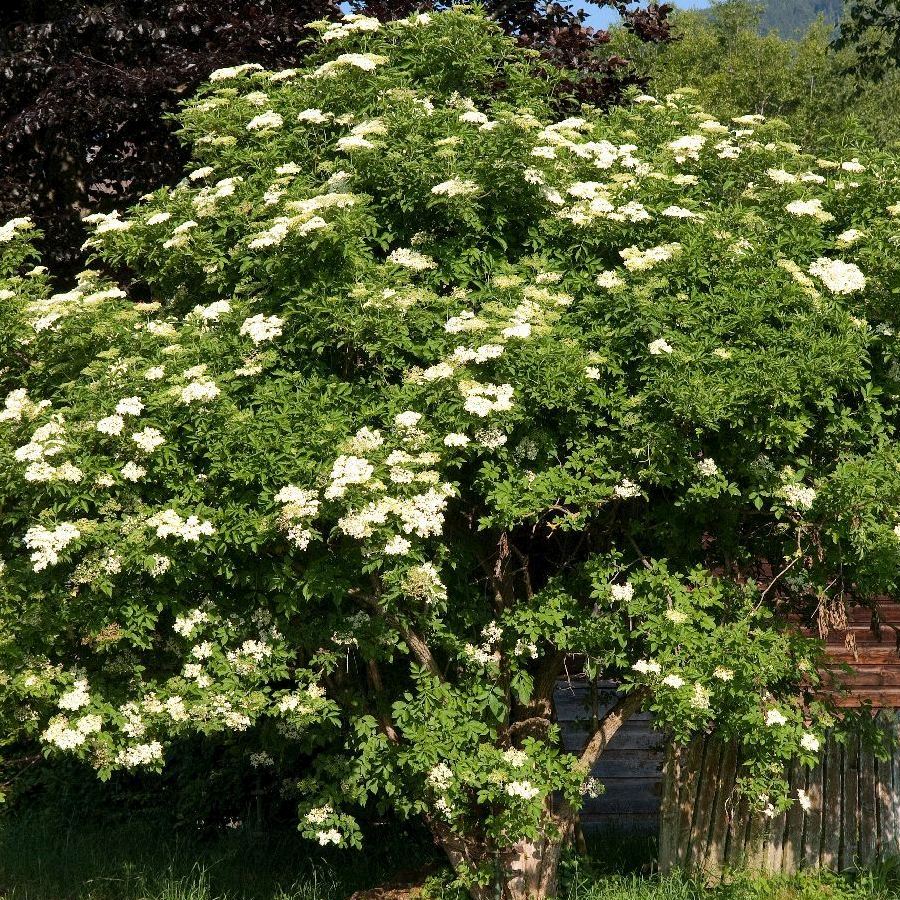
[{"x": 871, "y": 28}]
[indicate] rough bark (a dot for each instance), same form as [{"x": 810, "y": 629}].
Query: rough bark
[{"x": 529, "y": 870}]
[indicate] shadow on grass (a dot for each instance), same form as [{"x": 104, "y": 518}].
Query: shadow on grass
[
  {"x": 54, "y": 858},
  {"x": 46, "y": 859}
]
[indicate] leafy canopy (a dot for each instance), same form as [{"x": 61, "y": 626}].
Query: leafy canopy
[{"x": 433, "y": 391}]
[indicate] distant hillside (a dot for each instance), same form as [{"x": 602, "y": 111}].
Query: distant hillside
[{"x": 791, "y": 16}]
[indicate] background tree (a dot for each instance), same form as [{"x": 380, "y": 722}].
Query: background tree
[
  {"x": 871, "y": 28},
  {"x": 433, "y": 390},
  {"x": 805, "y": 79},
  {"x": 793, "y": 17}
]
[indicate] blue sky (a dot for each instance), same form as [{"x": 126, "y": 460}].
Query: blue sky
[{"x": 600, "y": 18}]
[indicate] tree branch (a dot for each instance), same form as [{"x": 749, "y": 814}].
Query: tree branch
[
  {"x": 420, "y": 650},
  {"x": 624, "y": 708},
  {"x": 373, "y": 673}
]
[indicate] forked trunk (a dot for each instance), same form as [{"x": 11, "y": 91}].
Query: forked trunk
[{"x": 528, "y": 870}]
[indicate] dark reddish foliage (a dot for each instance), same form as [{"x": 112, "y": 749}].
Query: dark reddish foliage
[{"x": 84, "y": 89}]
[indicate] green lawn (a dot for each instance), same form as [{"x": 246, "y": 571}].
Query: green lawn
[{"x": 49, "y": 859}]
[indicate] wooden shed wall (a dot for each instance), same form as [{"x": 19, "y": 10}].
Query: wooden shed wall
[
  {"x": 856, "y": 812},
  {"x": 854, "y": 818},
  {"x": 631, "y": 766}
]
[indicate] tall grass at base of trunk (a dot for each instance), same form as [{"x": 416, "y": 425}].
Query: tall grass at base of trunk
[{"x": 46, "y": 857}]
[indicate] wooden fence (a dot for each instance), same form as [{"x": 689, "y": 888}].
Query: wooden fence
[{"x": 854, "y": 817}]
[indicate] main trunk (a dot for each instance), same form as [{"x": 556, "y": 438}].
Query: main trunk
[{"x": 528, "y": 870}]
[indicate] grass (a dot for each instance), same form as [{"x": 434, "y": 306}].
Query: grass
[{"x": 42, "y": 858}]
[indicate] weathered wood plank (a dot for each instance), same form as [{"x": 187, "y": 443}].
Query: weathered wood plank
[
  {"x": 894, "y": 726},
  {"x": 812, "y": 825},
  {"x": 831, "y": 805},
  {"x": 688, "y": 797},
  {"x": 616, "y": 763},
  {"x": 738, "y": 835},
  {"x": 850, "y": 804},
  {"x": 884, "y": 801},
  {"x": 669, "y": 810},
  {"x": 755, "y": 851},
  {"x": 868, "y": 824},
  {"x": 706, "y": 801},
  {"x": 639, "y": 737},
  {"x": 793, "y": 832},
  {"x": 775, "y": 842},
  {"x": 723, "y": 809}
]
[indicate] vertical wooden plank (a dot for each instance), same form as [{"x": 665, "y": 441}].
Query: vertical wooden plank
[
  {"x": 723, "y": 811},
  {"x": 895, "y": 781},
  {"x": 706, "y": 801},
  {"x": 868, "y": 824},
  {"x": 690, "y": 784},
  {"x": 884, "y": 805},
  {"x": 669, "y": 809},
  {"x": 831, "y": 805},
  {"x": 756, "y": 849},
  {"x": 850, "y": 804},
  {"x": 738, "y": 831},
  {"x": 793, "y": 832},
  {"x": 775, "y": 842},
  {"x": 812, "y": 825}
]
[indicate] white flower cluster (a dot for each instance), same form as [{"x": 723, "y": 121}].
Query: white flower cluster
[
  {"x": 78, "y": 696},
  {"x": 282, "y": 225},
  {"x": 411, "y": 259},
  {"x": 366, "y": 62},
  {"x": 62, "y": 734},
  {"x": 262, "y": 328},
  {"x": 524, "y": 790},
  {"x": 839, "y": 277},
  {"x": 207, "y": 198},
  {"x": 483, "y": 399},
  {"x": 799, "y": 496},
  {"x": 335, "y": 31},
  {"x": 637, "y": 260},
  {"x": 420, "y": 514},
  {"x": 810, "y": 742},
  {"x": 185, "y": 625},
  {"x": 9, "y": 230},
  {"x": 424, "y": 583},
  {"x": 455, "y": 187},
  {"x": 169, "y": 524},
  {"x": 18, "y": 406},
  {"x": 647, "y": 667},
  {"x": 148, "y": 439},
  {"x": 234, "y": 71},
  {"x": 267, "y": 121},
  {"x": 812, "y": 208},
  {"x": 139, "y": 755},
  {"x": 200, "y": 391},
  {"x": 48, "y": 543},
  {"x": 347, "y": 470},
  {"x": 298, "y": 504},
  {"x": 440, "y": 777}
]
